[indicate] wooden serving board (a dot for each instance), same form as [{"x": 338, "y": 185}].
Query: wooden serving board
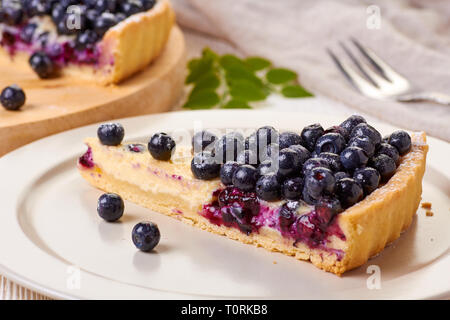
[{"x": 64, "y": 103}]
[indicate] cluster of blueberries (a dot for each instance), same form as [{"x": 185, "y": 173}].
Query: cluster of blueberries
[
  {"x": 343, "y": 163},
  {"x": 87, "y": 20}
]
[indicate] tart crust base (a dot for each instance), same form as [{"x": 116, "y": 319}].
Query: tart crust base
[{"x": 368, "y": 226}]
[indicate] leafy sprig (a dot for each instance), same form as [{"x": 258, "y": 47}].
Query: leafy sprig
[{"x": 229, "y": 82}]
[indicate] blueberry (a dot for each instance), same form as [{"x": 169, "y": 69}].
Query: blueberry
[
  {"x": 58, "y": 12},
  {"x": 352, "y": 122},
  {"x": 120, "y": 17},
  {"x": 287, "y": 214},
  {"x": 245, "y": 177},
  {"x": 228, "y": 147},
  {"x": 27, "y": 33},
  {"x": 12, "y": 13},
  {"x": 368, "y": 178},
  {"x": 302, "y": 152},
  {"x": 105, "y": 5},
  {"x": 204, "y": 166},
  {"x": 338, "y": 129},
  {"x": 401, "y": 140},
  {"x": 227, "y": 171},
  {"x": 334, "y": 161},
  {"x": 353, "y": 157},
  {"x": 91, "y": 17},
  {"x": 131, "y": 7},
  {"x": 341, "y": 175},
  {"x": 391, "y": 151},
  {"x": 103, "y": 23},
  {"x": 268, "y": 187},
  {"x": 319, "y": 181},
  {"x": 289, "y": 163},
  {"x": 348, "y": 191},
  {"x": 145, "y": 236},
  {"x": 247, "y": 157},
  {"x": 385, "y": 166},
  {"x": 265, "y": 136},
  {"x": 267, "y": 167},
  {"x": 292, "y": 188},
  {"x": 12, "y": 98},
  {"x": 38, "y": 7},
  {"x": 307, "y": 197},
  {"x": 41, "y": 63},
  {"x": 314, "y": 163},
  {"x": 111, "y": 134},
  {"x": 330, "y": 142},
  {"x": 364, "y": 143},
  {"x": 148, "y": 4},
  {"x": 110, "y": 207},
  {"x": 288, "y": 139},
  {"x": 327, "y": 208},
  {"x": 203, "y": 140},
  {"x": 363, "y": 129},
  {"x": 310, "y": 134},
  {"x": 86, "y": 39},
  {"x": 161, "y": 146}
]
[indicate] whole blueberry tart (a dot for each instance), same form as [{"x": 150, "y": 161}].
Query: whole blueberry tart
[
  {"x": 105, "y": 41},
  {"x": 333, "y": 196}
]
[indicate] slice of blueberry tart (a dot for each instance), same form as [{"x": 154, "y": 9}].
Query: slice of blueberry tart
[
  {"x": 104, "y": 41},
  {"x": 333, "y": 196}
]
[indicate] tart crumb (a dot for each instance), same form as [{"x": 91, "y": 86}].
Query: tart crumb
[
  {"x": 426, "y": 205},
  {"x": 429, "y": 213}
]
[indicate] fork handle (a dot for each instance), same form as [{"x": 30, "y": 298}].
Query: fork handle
[{"x": 436, "y": 97}]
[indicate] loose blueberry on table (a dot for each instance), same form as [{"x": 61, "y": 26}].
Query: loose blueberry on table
[
  {"x": 12, "y": 97},
  {"x": 56, "y": 34},
  {"x": 110, "y": 207},
  {"x": 324, "y": 171},
  {"x": 146, "y": 236}
]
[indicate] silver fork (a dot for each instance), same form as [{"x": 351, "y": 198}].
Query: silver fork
[{"x": 379, "y": 80}]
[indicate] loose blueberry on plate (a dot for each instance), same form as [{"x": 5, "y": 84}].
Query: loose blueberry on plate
[
  {"x": 368, "y": 178},
  {"x": 245, "y": 177},
  {"x": 268, "y": 187},
  {"x": 204, "y": 166},
  {"x": 288, "y": 139},
  {"x": 334, "y": 161},
  {"x": 352, "y": 122},
  {"x": 319, "y": 181},
  {"x": 145, "y": 236},
  {"x": 310, "y": 134},
  {"x": 348, "y": 191},
  {"x": 12, "y": 98},
  {"x": 401, "y": 140},
  {"x": 330, "y": 142},
  {"x": 292, "y": 188},
  {"x": 110, "y": 207},
  {"x": 161, "y": 146},
  {"x": 364, "y": 129},
  {"x": 111, "y": 134},
  {"x": 385, "y": 166},
  {"x": 203, "y": 140},
  {"x": 353, "y": 157},
  {"x": 41, "y": 63},
  {"x": 312, "y": 163},
  {"x": 364, "y": 143},
  {"x": 226, "y": 172},
  {"x": 391, "y": 151},
  {"x": 289, "y": 163}
]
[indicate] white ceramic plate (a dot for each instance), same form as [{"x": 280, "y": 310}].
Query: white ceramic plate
[{"x": 52, "y": 241}]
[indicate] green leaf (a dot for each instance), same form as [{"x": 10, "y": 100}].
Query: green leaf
[
  {"x": 202, "y": 99},
  {"x": 206, "y": 81},
  {"x": 257, "y": 63},
  {"x": 280, "y": 75},
  {"x": 247, "y": 91},
  {"x": 236, "y": 73},
  {"x": 295, "y": 91},
  {"x": 236, "y": 104},
  {"x": 228, "y": 60},
  {"x": 209, "y": 54}
]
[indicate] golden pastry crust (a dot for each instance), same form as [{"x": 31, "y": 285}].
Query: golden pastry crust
[
  {"x": 127, "y": 48},
  {"x": 368, "y": 226}
]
